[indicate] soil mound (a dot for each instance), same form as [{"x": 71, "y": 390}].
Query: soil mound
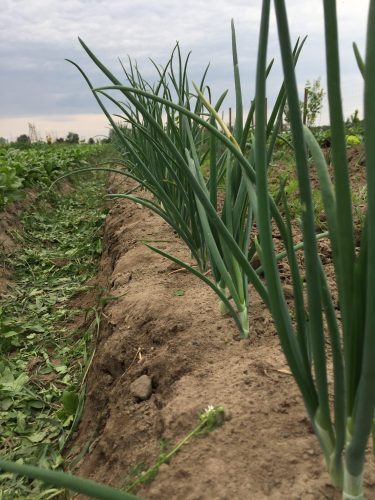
[{"x": 165, "y": 324}]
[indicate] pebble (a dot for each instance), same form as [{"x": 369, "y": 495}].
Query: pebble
[
  {"x": 288, "y": 291},
  {"x": 227, "y": 415},
  {"x": 141, "y": 388},
  {"x": 163, "y": 467}
]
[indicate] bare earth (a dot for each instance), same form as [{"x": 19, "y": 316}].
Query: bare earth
[{"x": 264, "y": 450}]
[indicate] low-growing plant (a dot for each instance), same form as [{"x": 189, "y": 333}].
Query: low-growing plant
[
  {"x": 209, "y": 419},
  {"x": 38, "y": 166},
  {"x": 42, "y": 365},
  {"x": 353, "y": 140}
]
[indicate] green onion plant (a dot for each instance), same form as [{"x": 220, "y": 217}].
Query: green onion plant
[
  {"x": 146, "y": 159},
  {"x": 166, "y": 143},
  {"x": 343, "y": 428}
]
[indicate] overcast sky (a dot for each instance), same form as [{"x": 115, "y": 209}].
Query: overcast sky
[{"x": 37, "y": 85}]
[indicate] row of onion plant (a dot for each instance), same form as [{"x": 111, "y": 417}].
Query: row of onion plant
[
  {"x": 145, "y": 158},
  {"x": 166, "y": 141}
]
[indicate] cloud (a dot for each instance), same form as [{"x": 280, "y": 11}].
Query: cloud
[{"x": 36, "y": 36}]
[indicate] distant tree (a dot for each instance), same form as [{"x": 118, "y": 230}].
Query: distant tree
[
  {"x": 91, "y": 141},
  {"x": 3, "y": 140},
  {"x": 315, "y": 94},
  {"x": 23, "y": 139},
  {"x": 60, "y": 139},
  {"x": 72, "y": 138}
]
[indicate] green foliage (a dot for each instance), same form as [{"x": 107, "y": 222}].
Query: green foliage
[
  {"x": 353, "y": 140},
  {"x": 165, "y": 142},
  {"x": 323, "y": 136},
  {"x": 315, "y": 95},
  {"x": 341, "y": 413},
  {"x": 165, "y": 145},
  {"x": 314, "y": 102},
  {"x": 42, "y": 363},
  {"x": 89, "y": 488},
  {"x": 38, "y": 166},
  {"x": 209, "y": 420}
]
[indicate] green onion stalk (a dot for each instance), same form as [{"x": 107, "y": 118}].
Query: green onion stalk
[
  {"x": 344, "y": 429},
  {"x": 69, "y": 482}
]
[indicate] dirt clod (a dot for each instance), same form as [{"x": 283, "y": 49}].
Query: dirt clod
[{"x": 141, "y": 388}]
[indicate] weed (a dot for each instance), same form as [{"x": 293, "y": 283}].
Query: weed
[{"x": 209, "y": 419}]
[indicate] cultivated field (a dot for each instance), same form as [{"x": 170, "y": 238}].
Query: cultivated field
[{"x": 187, "y": 312}]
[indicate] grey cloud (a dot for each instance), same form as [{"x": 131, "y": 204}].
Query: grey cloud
[{"x": 36, "y": 36}]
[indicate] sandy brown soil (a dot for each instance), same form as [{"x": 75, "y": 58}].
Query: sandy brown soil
[{"x": 264, "y": 450}]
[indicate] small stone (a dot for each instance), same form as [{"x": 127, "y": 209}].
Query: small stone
[
  {"x": 288, "y": 292},
  {"x": 163, "y": 467},
  {"x": 227, "y": 415},
  {"x": 141, "y": 388},
  {"x": 107, "y": 379}
]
